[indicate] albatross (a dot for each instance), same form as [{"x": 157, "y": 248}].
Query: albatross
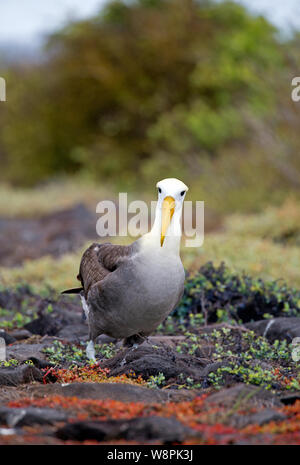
[{"x": 127, "y": 291}]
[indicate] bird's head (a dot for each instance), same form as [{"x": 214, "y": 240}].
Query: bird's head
[{"x": 171, "y": 194}]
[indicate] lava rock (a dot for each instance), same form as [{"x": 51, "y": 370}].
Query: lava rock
[
  {"x": 21, "y": 334},
  {"x": 41, "y": 363},
  {"x": 8, "y": 338},
  {"x": 53, "y": 234},
  {"x": 44, "y": 324},
  {"x": 148, "y": 361},
  {"x": 244, "y": 395},
  {"x": 167, "y": 430},
  {"x": 259, "y": 418},
  {"x": 30, "y": 416},
  {"x": 23, "y": 351},
  {"x": 115, "y": 391},
  {"x": 213, "y": 367},
  {"x": 20, "y": 375},
  {"x": 290, "y": 398},
  {"x": 74, "y": 333},
  {"x": 279, "y": 328}
]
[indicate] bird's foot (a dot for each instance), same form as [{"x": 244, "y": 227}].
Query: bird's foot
[
  {"x": 90, "y": 352},
  {"x": 131, "y": 349},
  {"x": 134, "y": 341},
  {"x": 123, "y": 362}
]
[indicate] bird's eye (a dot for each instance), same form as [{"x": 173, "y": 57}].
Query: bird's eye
[
  {"x": 182, "y": 193},
  {"x": 159, "y": 190}
]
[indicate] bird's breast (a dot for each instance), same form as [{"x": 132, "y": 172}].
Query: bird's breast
[
  {"x": 140, "y": 294},
  {"x": 161, "y": 278}
]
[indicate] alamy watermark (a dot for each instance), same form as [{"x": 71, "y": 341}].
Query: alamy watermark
[
  {"x": 2, "y": 90},
  {"x": 296, "y": 349},
  {"x": 137, "y": 217},
  {"x": 295, "y": 95},
  {"x": 2, "y": 350}
]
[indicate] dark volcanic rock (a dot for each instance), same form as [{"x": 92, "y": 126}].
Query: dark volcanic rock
[
  {"x": 65, "y": 321},
  {"x": 278, "y": 328},
  {"x": 9, "y": 339},
  {"x": 44, "y": 324},
  {"x": 30, "y": 416},
  {"x": 41, "y": 363},
  {"x": 290, "y": 398},
  {"x": 148, "y": 361},
  {"x": 164, "y": 429},
  {"x": 260, "y": 418},
  {"x": 166, "y": 341},
  {"x": 22, "y": 351},
  {"x": 11, "y": 300},
  {"x": 20, "y": 375},
  {"x": 213, "y": 367},
  {"x": 115, "y": 391},
  {"x": 21, "y": 334},
  {"x": 54, "y": 234},
  {"x": 54, "y": 315},
  {"x": 74, "y": 333},
  {"x": 243, "y": 395}
]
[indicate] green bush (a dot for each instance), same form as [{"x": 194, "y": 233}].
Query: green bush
[{"x": 143, "y": 87}]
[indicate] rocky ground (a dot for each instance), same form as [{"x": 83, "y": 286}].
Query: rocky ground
[
  {"x": 219, "y": 370},
  {"x": 53, "y": 234},
  {"x": 220, "y": 383}
]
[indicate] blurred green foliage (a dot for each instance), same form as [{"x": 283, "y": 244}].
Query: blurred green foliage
[{"x": 152, "y": 88}]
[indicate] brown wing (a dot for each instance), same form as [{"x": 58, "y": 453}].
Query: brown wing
[{"x": 98, "y": 261}]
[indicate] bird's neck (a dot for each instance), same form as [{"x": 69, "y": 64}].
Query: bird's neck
[{"x": 172, "y": 240}]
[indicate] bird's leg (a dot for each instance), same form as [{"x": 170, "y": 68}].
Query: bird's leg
[
  {"x": 90, "y": 351},
  {"x": 90, "y": 348},
  {"x": 85, "y": 307},
  {"x": 134, "y": 341}
]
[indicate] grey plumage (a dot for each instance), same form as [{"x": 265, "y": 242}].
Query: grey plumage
[
  {"x": 127, "y": 291},
  {"x": 123, "y": 290}
]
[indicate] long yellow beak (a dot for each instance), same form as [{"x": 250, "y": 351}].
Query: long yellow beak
[{"x": 168, "y": 208}]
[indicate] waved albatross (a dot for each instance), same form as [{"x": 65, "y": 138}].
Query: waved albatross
[{"x": 127, "y": 291}]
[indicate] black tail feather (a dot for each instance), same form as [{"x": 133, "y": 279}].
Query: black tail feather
[{"x": 75, "y": 290}]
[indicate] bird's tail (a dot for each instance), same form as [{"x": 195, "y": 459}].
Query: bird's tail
[{"x": 75, "y": 290}]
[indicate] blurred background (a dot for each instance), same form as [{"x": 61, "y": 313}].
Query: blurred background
[{"x": 109, "y": 96}]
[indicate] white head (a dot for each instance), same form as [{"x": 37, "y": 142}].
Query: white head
[
  {"x": 171, "y": 194},
  {"x": 172, "y": 187}
]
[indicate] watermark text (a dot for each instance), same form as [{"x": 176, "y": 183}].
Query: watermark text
[
  {"x": 2, "y": 90},
  {"x": 136, "y": 218}
]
